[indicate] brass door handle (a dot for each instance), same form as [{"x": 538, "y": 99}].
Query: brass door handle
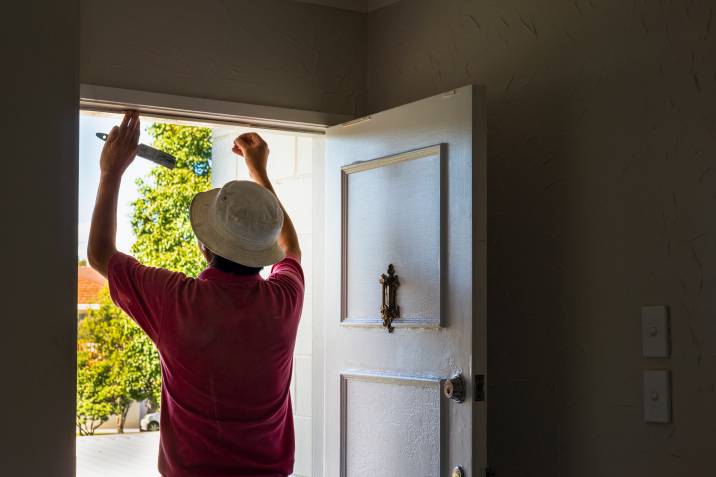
[{"x": 389, "y": 310}]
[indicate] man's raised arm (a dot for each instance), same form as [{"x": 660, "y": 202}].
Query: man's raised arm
[
  {"x": 255, "y": 151},
  {"x": 117, "y": 154}
]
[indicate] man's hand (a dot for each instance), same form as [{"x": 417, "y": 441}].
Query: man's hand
[
  {"x": 121, "y": 146},
  {"x": 255, "y": 151},
  {"x": 117, "y": 154}
]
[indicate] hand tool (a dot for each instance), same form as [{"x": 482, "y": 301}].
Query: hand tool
[{"x": 148, "y": 152}]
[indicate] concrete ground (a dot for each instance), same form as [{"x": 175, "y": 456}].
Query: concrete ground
[
  {"x": 118, "y": 455},
  {"x": 132, "y": 454}
]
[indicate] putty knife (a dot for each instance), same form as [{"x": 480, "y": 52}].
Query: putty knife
[{"x": 148, "y": 152}]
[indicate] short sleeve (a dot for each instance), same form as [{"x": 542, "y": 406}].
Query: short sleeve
[
  {"x": 140, "y": 291},
  {"x": 288, "y": 276}
]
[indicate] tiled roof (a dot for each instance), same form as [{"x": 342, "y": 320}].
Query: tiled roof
[{"x": 89, "y": 284}]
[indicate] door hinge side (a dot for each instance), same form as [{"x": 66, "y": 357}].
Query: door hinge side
[{"x": 479, "y": 387}]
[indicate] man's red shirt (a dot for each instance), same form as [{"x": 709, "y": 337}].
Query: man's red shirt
[{"x": 226, "y": 347}]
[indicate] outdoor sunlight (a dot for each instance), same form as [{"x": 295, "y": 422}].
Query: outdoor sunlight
[{"x": 118, "y": 369}]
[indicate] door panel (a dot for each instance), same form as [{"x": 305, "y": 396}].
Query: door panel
[
  {"x": 392, "y": 208},
  {"x": 407, "y": 187},
  {"x": 373, "y": 429}
]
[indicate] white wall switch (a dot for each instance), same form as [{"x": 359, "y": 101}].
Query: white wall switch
[
  {"x": 657, "y": 396},
  {"x": 655, "y": 331}
]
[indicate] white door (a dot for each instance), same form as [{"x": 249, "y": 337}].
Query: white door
[{"x": 406, "y": 187}]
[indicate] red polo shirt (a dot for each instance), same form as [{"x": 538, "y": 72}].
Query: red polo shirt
[{"x": 226, "y": 346}]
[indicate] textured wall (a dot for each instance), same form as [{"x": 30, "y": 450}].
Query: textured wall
[
  {"x": 602, "y": 170},
  {"x": 38, "y": 237},
  {"x": 272, "y": 52}
]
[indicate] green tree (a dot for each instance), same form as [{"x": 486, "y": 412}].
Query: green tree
[
  {"x": 160, "y": 219},
  {"x": 119, "y": 365},
  {"x": 93, "y": 408}
]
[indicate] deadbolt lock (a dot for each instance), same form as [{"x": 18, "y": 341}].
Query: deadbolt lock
[{"x": 454, "y": 388}]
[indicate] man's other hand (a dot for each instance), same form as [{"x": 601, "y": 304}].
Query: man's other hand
[
  {"x": 255, "y": 151},
  {"x": 121, "y": 146}
]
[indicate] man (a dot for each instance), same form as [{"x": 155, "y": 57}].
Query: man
[{"x": 225, "y": 338}]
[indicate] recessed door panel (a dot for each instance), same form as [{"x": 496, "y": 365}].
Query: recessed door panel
[
  {"x": 391, "y": 425},
  {"x": 392, "y": 215}
]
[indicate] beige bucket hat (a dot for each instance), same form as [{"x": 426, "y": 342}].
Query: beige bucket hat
[{"x": 240, "y": 222}]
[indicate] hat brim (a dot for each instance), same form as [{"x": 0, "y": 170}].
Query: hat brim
[{"x": 226, "y": 247}]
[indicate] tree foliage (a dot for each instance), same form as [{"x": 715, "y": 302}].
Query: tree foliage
[
  {"x": 93, "y": 380},
  {"x": 160, "y": 219},
  {"x": 117, "y": 364}
]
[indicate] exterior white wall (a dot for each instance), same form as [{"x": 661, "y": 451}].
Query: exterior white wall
[{"x": 290, "y": 168}]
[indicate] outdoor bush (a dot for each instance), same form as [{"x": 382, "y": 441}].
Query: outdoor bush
[{"x": 117, "y": 364}]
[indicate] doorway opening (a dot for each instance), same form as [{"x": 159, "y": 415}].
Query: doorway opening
[{"x": 115, "y": 426}]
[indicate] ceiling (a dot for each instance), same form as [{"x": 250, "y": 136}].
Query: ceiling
[{"x": 363, "y": 6}]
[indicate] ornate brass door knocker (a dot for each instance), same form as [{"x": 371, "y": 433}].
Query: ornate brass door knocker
[{"x": 388, "y": 308}]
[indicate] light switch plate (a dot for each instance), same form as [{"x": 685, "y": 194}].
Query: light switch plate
[
  {"x": 657, "y": 396},
  {"x": 655, "y": 332}
]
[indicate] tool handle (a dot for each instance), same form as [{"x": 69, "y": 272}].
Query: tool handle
[{"x": 150, "y": 153}]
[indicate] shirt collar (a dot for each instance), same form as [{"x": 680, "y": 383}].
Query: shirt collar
[{"x": 214, "y": 274}]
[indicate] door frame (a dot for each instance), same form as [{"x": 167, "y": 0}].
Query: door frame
[
  {"x": 184, "y": 109},
  {"x": 204, "y": 110}
]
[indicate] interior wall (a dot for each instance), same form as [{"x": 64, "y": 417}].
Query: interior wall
[
  {"x": 273, "y": 52},
  {"x": 40, "y": 45},
  {"x": 602, "y": 187},
  {"x": 601, "y": 152}
]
